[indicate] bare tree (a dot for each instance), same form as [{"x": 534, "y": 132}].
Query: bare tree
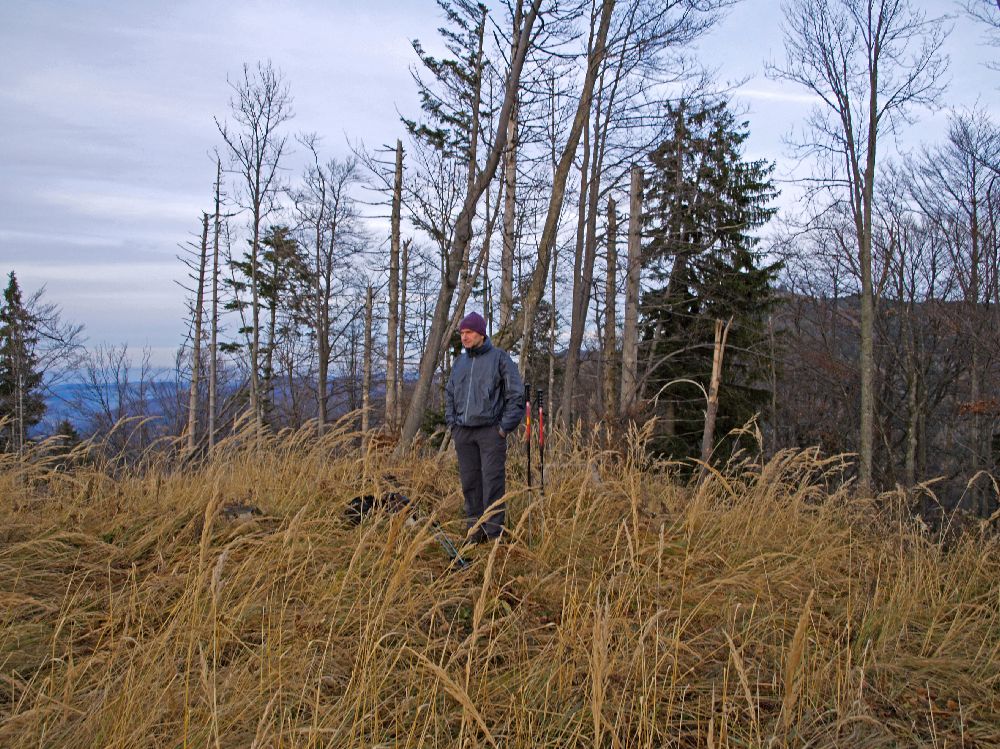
[
  {"x": 261, "y": 104},
  {"x": 329, "y": 222},
  {"x": 616, "y": 118},
  {"x": 401, "y": 339},
  {"x": 509, "y": 207},
  {"x": 986, "y": 12},
  {"x": 870, "y": 62},
  {"x": 213, "y": 345},
  {"x": 115, "y": 398},
  {"x": 953, "y": 185},
  {"x": 392, "y": 345},
  {"x": 610, "y": 323},
  {"x": 197, "y": 318},
  {"x": 366, "y": 379}
]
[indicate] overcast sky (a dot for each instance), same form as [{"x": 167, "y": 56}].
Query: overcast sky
[{"x": 106, "y": 125}]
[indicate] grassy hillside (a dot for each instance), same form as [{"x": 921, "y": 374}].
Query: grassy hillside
[{"x": 629, "y": 609}]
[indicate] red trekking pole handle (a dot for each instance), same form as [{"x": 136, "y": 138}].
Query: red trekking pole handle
[
  {"x": 541, "y": 436},
  {"x": 527, "y": 428}
]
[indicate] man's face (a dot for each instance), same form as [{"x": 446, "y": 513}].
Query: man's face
[{"x": 470, "y": 338}]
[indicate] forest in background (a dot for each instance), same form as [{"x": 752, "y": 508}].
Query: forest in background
[{"x": 575, "y": 175}]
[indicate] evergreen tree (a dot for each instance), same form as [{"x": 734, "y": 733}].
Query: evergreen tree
[
  {"x": 282, "y": 284},
  {"x": 453, "y": 97},
  {"x": 703, "y": 202},
  {"x": 21, "y": 402}
]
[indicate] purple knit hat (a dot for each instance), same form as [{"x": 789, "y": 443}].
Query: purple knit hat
[{"x": 473, "y": 321}]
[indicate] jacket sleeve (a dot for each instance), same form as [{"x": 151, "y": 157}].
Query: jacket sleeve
[
  {"x": 449, "y": 401},
  {"x": 513, "y": 394}
]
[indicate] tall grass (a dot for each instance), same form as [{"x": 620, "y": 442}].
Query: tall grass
[{"x": 630, "y": 608}]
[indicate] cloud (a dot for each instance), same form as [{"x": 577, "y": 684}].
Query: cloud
[
  {"x": 108, "y": 275},
  {"x": 14, "y": 236},
  {"x": 117, "y": 202},
  {"x": 790, "y": 97},
  {"x": 77, "y": 95}
]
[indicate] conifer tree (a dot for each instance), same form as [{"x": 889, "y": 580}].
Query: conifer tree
[
  {"x": 452, "y": 101},
  {"x": 703, "y": 202},
  {"x": 281, "y": 276},
  {"x": 21, "y": 402}
]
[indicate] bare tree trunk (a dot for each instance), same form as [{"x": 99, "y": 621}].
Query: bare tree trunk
[
  {"x": 912, "y": 419},
  {"x": 465, "y": 274},
  {"x": 267, "y": 386},
  {"x": 213, "y": 346},
  {"x": 322, "y": 322},
  {"x": 581, "y": 300},
  {"x": 610, "y": 321},
  {"x": 462, "y": 236},
  {"x": 980, "y": 443},
  {"x": 199, "y": 304},
  {"x": 510, "y": 204},
  {"x": 552, "y": 332},
  {"x": 465, "y": 287},
  {"x": 867, "y": 360},
  {"x": 712, "y": 409},
  {"x": 366, "y": 377},
  {"x": 581, "y": 287},
  {"x": 630, "y": 331},
  {"x": 773, "y": 370},
  {"x": 401, "y": 356},
  {"x": 392, "y": 352},
  {"x": 510, "y": 199},
  {"x": 477, "y": 94}
]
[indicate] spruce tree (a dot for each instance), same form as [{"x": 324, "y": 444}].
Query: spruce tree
[
  {"x": 703, "y": 203},
  {"x": 282, "y": 286},
  {"x": 451, "y": 99},
  {"x": 21, "y": 402}
]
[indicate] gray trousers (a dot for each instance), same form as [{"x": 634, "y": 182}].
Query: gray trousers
[{"x": 482, "y": 459}]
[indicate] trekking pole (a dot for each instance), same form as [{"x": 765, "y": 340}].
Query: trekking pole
[
  {"x": 540, "y": 397},
  {"x": 449, "y": 548},
  {"x": 527, "y": 429}
]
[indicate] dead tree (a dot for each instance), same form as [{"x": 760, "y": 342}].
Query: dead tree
[
  {"x": 392, "y": 352},
  {"x": 610, "y": 293},
  {"x": 401, "y": 339},
  {"x": 366, "y": 377},
  {"x": 509, "y": 206},
  {"x": 197, "y": 315},
  {"x": 712, "y": 405},
  {"x": 213, "y": 345}
]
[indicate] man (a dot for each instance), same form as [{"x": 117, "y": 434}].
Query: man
[{"x": 484, "y": 402}]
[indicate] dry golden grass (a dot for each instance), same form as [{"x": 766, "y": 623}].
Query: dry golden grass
[{"x": 629, "y": 610}]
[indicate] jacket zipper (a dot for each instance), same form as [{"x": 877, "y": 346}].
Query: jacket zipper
[{"x": 468, "y": 390}]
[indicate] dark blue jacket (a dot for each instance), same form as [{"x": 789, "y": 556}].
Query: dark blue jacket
[{"x": 484, "y": 389}]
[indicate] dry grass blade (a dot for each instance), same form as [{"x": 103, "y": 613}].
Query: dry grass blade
[
  {"x": 456, "y": 691},
  {"x": 742, "y": 673},
  {"x": 793, "y": 661}
]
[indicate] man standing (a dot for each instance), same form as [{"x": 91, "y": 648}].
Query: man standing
[{"x": 484, "y": 402}]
